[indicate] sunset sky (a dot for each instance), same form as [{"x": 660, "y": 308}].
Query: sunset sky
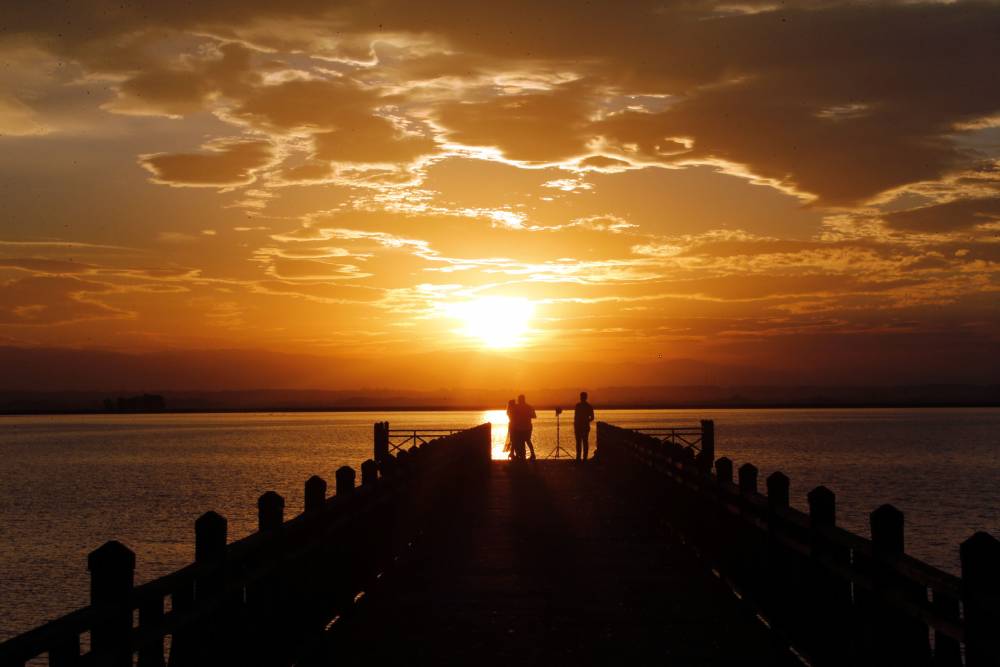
[{"x": 788, "y": 185}]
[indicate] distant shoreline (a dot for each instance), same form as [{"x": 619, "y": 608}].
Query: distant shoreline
[{"x": 478, "y": 408}]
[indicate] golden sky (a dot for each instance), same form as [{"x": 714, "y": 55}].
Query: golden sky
[{"x": 784, "y": 185}]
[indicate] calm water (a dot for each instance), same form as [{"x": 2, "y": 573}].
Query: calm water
[{"x": 69, "y": 483}]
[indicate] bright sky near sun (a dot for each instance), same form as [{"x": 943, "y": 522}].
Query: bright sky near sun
[
  {"x": 495, "y": 321},
  {"x": 805, "y": 188}
]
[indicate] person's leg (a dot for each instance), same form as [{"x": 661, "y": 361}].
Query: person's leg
[
  {"x": 531, "y": 447},
  {"x": 586, "y": 442},
  {"x": 576, "y": 434}
]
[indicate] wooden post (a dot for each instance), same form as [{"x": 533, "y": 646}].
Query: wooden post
[
  {"x": 369, "y": 473},
  {"x": 893, "y": 636},
  {"x": 381, "y": 441},
  {"x": 887, "y": 531},
  {"x": 270, "y": 512},
  {"x": 825, "y": 617},
  {"x": 707, "y": 455},
  {"x": 315, "y": 494},
  {"x": 822, "y": 507},
  {"x": 724, "y": 471},
  {"x": 748, "y": 479},
  {"x": 980, "y": 555},
  {"x": 345, "y": 480},
  {"x": 112, "y": 571},
  {"x": 781, "y": 567},
  {"x": 194, "y": 643},
  {"x": 150, "y": 618},
  {"x": 210, "y": 533},
  {"x": 777, "y": 490}
]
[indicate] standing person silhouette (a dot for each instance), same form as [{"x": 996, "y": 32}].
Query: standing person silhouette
[
  {"x": 508, "y": 446},
  {"x": 583, "y": 414},
  {"x": 521, "y": 428}
]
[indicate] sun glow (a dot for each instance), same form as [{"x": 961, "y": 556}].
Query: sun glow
[{"x": 496, "y": 321}]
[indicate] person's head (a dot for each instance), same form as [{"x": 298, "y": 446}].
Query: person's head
[
  {"x": 583, "y": 395},
  {"x": 511, "y": 403},
  {"x": 520, "y": 398}
]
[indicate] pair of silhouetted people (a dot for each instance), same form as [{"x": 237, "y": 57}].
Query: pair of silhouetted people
[{"x": 519, "y": 416}]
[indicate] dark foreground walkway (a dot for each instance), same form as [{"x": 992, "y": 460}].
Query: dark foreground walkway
[{"x": 551, "y": 564}]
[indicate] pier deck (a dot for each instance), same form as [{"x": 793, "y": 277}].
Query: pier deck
[{"x": 552, "y": 563}]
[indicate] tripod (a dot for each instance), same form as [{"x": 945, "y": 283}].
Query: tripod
[{"x": 559, "y": 449}]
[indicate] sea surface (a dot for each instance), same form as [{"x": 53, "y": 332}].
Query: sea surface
[{"x": 69, "y": 483}]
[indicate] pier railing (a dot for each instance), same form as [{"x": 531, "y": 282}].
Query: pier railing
[
  {"x": 837, "y": 597},
  {"x": 393, "y": 440},
  {"x": 692, "y": 444},
  {"x": 267, "y": 598}
]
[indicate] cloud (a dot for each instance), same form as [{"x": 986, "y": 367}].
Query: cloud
[
  {"x": 959, "y": 215},
  {"x": 341, "y": 119},
  {"x": 223, "y": 163},
  {"x": 187, "y": 85},
  {"x": 539, "y": 127},
  {"x": 42, "y": 300},
  {"x": 44, "y": 265},
  {"x": 376, "y": 141},
  {"x": 314, "y": 105}
]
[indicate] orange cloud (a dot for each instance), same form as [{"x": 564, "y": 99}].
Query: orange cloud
[{"x": 224, "y": 163}]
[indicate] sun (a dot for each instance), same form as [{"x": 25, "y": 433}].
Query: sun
[{"x": 496, "y": 321}]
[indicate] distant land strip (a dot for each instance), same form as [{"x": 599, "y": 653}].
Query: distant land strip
[{"x": 611, "y": 398}]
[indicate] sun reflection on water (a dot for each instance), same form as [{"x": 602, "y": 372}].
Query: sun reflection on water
[{"x": 498, "y": 418}]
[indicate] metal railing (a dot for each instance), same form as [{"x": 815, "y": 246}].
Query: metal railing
[
  {"x": 404, "y": 438},
  {"x": 684, "y": 436}
]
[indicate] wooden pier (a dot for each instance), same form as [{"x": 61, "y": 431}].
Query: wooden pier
[{"x": 652, "y": 554}]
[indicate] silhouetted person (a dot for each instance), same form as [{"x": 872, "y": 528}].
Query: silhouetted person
[
  {"x": 520, "y": 425},
  {"x": 583, "y": 414},
  {"x": 508, "y": 444}
]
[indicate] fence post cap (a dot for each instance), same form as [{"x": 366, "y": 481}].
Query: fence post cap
[
  {"x": 820, "y": 494},
  {"x": 980, "y": 553},
  {"x": 315, "y": 494},
  {"x": 209, "y": 520},
  {"x": 345, "y": 479},
  {"x": 778, "y": 484},
  {"x": 269, "y": 498},
  {"x": 724, "y": 469},
  {"x": 981, "y": 540},
  {"x": 777, "y": 477},
  {"x": 111, "y": 555},
  {"x": 369, "y": 472},
  {"x": 886, "y": 512},
  {"x": 887, "y": 530},
  {"x": 210, "y": 531},
  {"x": 822, "y": 507}
]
